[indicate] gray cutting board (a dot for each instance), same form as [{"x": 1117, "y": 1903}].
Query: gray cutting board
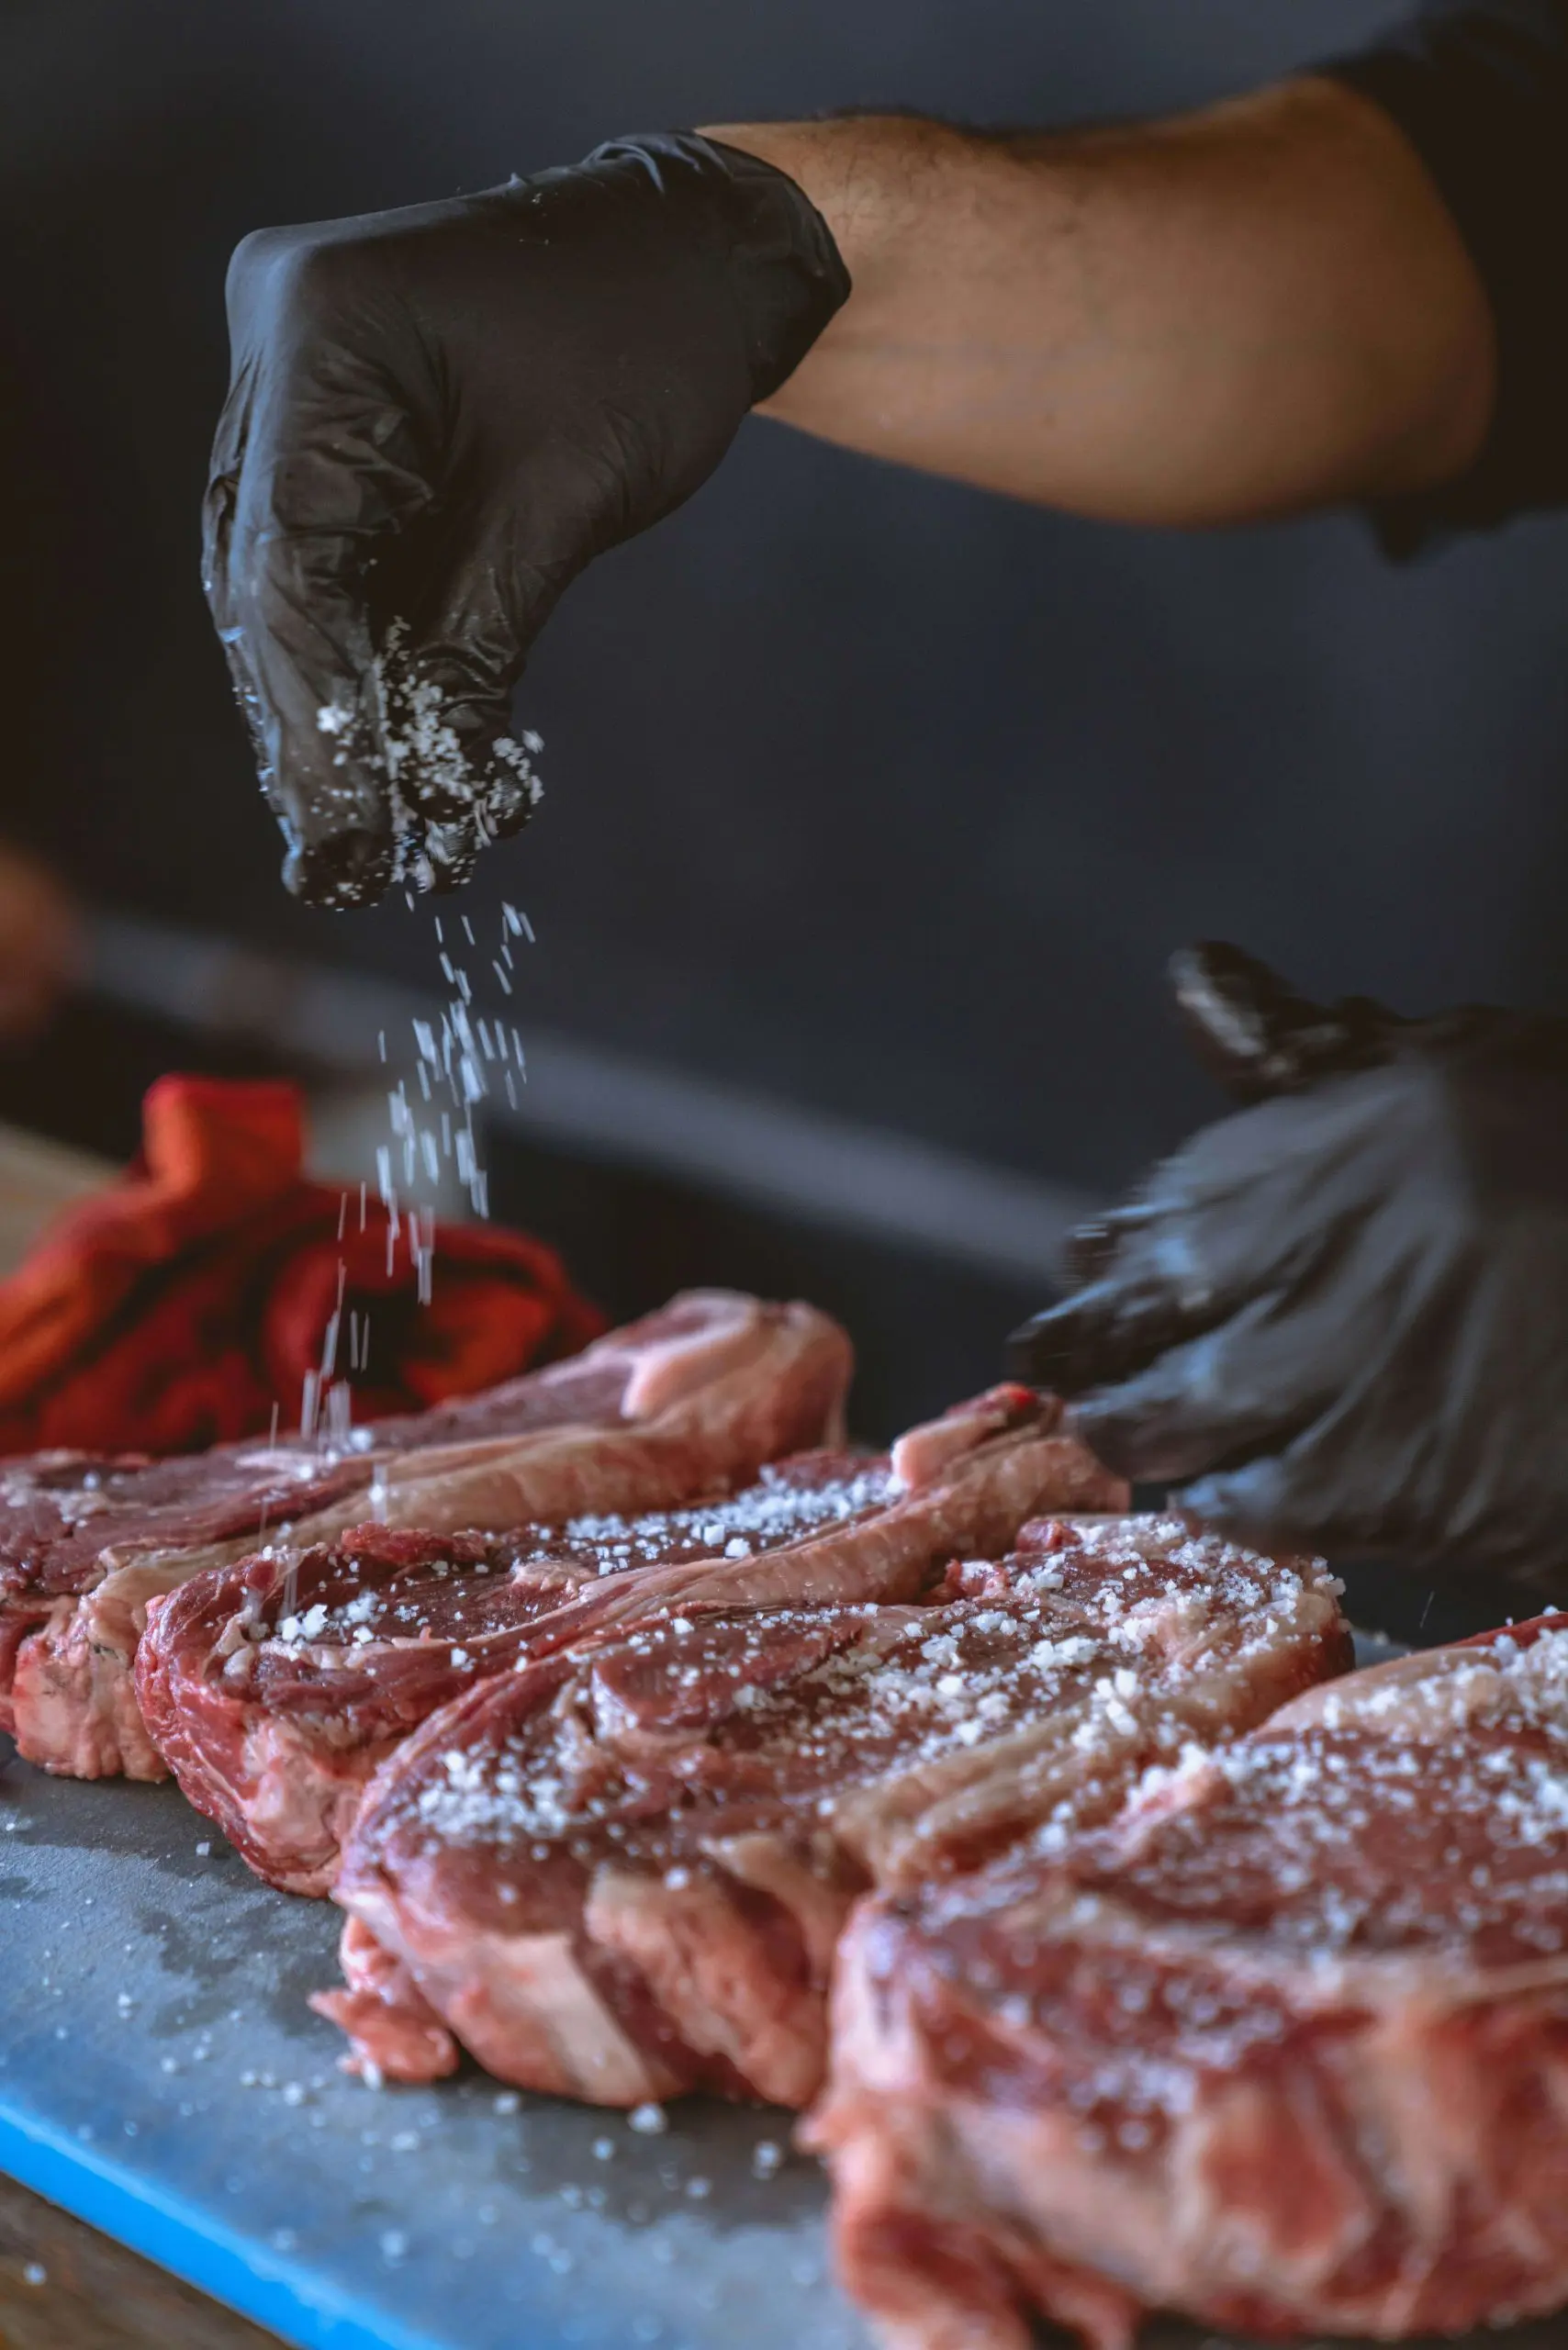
[{"x": 161, "y": 2076}]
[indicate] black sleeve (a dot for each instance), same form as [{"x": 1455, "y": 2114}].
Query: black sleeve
[{"x": 1480, "y": 89}]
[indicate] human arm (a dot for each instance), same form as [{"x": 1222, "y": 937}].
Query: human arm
[{"x": 1252, "y": 309}]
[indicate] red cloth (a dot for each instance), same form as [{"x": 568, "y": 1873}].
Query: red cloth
[{"x": 174, "y": 1309}]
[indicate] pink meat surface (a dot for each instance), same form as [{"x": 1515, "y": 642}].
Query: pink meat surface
[
  {"x": 277, "y": 1686},
  {"x": 622, "y": 1873},
  {"x": 1284, "y": 2047},
  {"x": 86, "y": 1547}
]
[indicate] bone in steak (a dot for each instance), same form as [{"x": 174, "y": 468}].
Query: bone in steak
[
  {"x": 1284, "y": 2047},
  {"x": 621, "y": 1873},
  {"x": 698, "y": 1394},
  {"x": 274, "y": 1687}
]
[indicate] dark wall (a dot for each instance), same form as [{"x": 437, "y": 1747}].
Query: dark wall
[{"x": 862, "y": 789}]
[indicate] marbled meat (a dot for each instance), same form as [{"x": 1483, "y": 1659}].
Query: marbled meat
[
  {"x": 1284, "y": 2047},
  {"x": 704, "y": 1390},
  {"x": 622, "y": 1873},
  {"x": 276, "y": 1687}
]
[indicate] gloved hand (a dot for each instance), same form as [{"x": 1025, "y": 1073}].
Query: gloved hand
[
  {"x": 436, "y": 417},
  {"x": 1339, "y": 1318}
]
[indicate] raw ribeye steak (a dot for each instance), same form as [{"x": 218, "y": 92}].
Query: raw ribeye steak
[
  {"x": 274, "y": 1687},
  {"x": 695, "y": 1395},
  {"x": 1284, "y": 2046},
  {"x": 622, "y": 1873}
]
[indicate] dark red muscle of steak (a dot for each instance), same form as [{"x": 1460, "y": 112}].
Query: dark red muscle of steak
[
  {"x": 696, "y": 1393},
  {"x": 273, "y": 1688},
  {"x": 1284, "y": 2047},
  {"x": 622, "y": 1873},
  {"x": 58, "y": 1511},
  {"x": 63, "y": 1514},
  {"x": 283, "y": 1776}
]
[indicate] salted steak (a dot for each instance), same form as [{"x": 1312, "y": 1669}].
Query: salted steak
[
  {"x": 707, "y": 1388},
  {"x": 622, "y": 1873},
  {"x": 1284, "y": 2048},
  {"x": 277, "y": 1686}
]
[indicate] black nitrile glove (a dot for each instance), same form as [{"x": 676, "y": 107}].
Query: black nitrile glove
[
  {"x": 436, "y": 419},
  {"x": 1339, "y": 1318}
]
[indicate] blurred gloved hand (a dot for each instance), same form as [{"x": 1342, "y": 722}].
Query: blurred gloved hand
[
  {"x": 436, "y": 417},
  {"x": 1339, "y": 1318}
]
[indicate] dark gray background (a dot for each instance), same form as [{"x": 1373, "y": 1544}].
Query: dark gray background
[
  {"x": 865, "y": 793},
  {"x": 865, "y": 789}
]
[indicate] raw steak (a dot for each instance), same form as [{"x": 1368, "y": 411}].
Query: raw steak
[
  {"x": 273, "y": 1688},
  {"x": 621, "y": 1873},
  {"x": 1285, "y": 2046},
  {"x": 699, "y": 1393}
]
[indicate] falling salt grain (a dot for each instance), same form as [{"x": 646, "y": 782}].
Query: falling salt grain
[
  {"x": 767, "y": 2158},
  {"x": 394, "y": 2243},
  {"x": 649, "y": 2120},
  {"x": 508, "y": 2102}
]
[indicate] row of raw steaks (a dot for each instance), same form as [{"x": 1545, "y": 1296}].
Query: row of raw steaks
[{"x": 1123, "y": 1955}]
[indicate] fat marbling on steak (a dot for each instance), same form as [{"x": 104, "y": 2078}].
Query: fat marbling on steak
[
  {"x": 622, "y": 1873},
  {"x": 276, "y": 1687},
  {"x": 1284, "y": 2047},
  {"x": 703, "y": 1390}
]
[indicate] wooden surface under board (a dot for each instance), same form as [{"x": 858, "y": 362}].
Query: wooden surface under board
[{"x": 64, "y": 2286}]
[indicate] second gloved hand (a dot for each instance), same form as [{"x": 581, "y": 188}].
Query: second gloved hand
[
  {"x": 436, "y": 419},
  {"x": 1339, "y": 1318}
]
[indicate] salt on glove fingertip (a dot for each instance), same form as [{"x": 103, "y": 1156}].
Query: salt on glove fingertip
[{"x": 350, "y": 868}]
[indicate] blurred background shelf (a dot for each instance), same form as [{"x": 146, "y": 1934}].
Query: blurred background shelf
[{"x": 37, "y": 1178}]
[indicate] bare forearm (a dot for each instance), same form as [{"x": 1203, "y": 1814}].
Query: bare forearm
[{"x": 1254, "y": 311}]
